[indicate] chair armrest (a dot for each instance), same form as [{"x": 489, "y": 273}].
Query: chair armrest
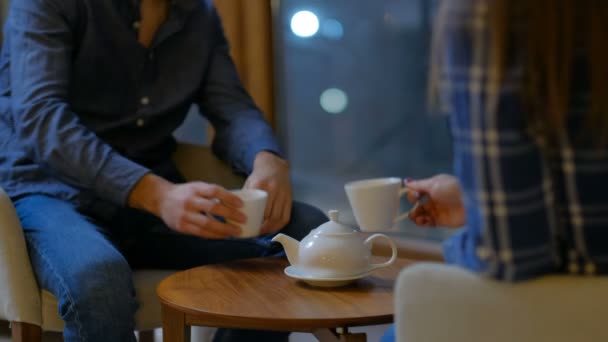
[
  {"x": 19, "y": 293},
  {"x": 199, "y": 163},
  {"x": 437, "y": 302}
]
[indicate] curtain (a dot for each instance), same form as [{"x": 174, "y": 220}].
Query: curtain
[
  {"x": 3, "y": 12},
  {"x": 248, "y": 26}
]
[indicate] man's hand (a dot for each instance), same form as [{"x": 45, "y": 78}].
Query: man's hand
[
  {"x": 444, "y": 206},
  {"x": 271, "y": 174},
  {"x": 188, "y": 208}
]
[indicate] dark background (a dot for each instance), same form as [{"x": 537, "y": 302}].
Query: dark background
[{"x": 381, "y": 63}]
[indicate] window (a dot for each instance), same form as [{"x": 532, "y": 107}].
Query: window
[{"x": 351, "y": 91}]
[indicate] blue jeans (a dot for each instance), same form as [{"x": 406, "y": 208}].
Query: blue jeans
[
  {"x": 86, "y": 261},
  {"x": 389, "y": 335}
]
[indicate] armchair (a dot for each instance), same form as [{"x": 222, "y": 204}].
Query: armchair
[
  {"x": 437, "y": 302},
  {"x": 32, "y": 310}
]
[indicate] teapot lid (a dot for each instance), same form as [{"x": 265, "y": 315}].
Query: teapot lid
[{"x": 333, "y": 226}]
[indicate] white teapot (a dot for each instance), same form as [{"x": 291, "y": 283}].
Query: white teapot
[{"x": 333, "y": 250}]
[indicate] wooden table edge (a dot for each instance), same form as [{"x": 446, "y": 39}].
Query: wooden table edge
[{"x": 201, "y": 318}]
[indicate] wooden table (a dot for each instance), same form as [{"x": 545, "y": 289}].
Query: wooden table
[{"x": 256, "y": 294}]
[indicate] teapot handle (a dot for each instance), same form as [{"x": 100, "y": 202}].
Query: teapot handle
[{"x": 369, "y": 242}]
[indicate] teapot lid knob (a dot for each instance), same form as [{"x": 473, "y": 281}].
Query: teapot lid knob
[
  {"x": 333, "y": 215},
  {"x": 333, "y": 226}
]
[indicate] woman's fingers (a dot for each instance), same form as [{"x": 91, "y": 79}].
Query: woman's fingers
[
  {"x": 425, "y": 221},
  {"x": 424, "y": 213},
  {"x": 417, "y": 211},
  {"x": 413, "y": 196}
]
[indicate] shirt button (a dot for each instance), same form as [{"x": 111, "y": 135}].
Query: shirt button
[
  {"x": 136, "y": 25},
  {"x": 140, "y": 122},
  {"x": 145, "y": 100},
  {"x": 151, "y": 56}
]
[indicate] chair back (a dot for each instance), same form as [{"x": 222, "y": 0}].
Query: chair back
[
  {"x": 20, "y": 299},
  {"x": 199, "y": 163},
  {"x": 19, "y": 294}
]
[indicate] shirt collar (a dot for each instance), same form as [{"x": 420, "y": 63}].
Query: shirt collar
[{"x": 187, "y": 5}]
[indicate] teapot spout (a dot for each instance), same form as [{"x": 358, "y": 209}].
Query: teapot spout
[{"x": 291, "y": 247}]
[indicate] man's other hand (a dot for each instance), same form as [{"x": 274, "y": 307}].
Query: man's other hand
[{"x": 271, "y": 174}]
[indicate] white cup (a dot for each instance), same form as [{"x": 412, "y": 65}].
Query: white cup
[
  {"x": 254, "y": 205},
  {"x": 375, "y": 202}
]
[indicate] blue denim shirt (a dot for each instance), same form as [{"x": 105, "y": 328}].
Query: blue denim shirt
[{"x": 86, "y": 109}]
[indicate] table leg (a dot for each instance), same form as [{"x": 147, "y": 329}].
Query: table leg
[
  {"x": 25, "y": 332},
  {"x": 174, "y": 325},
  {"x": 332, "y": 335}
]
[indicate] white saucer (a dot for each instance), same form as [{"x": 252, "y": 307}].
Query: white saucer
[{"x": 293, "y": 272}]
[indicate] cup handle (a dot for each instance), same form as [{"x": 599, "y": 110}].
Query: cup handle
[
  {"x": 403, "y": 191},
  {"x": 369, "y": 242}
]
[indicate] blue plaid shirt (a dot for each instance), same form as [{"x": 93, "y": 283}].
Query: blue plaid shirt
[
  {"x": 530, "y": 209},
  {"x": 86, "y": 111}
]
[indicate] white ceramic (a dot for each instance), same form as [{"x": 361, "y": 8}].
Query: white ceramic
[
  {"x": 296, "y": 273},
  {"x": 333, "y": 250},
  {"x": 254, "y": 205},
  {"x": 375, "y": 202}
]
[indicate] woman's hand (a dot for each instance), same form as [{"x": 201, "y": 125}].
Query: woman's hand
[{"x": 444, "y": 205}]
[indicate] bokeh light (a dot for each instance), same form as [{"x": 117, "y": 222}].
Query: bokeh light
[
  {"x": 334, "y": 100},
  {"x": 304, "y": 24},
  {"x": 332, "y": 29}
]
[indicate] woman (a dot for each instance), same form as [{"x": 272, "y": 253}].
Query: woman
[{"x": 525, "y": 84}]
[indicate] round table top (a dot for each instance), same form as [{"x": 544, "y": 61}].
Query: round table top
[{"x": 255, "y": 293}]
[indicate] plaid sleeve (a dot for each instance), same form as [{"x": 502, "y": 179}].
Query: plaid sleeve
[{"x": 507, "y": 185}]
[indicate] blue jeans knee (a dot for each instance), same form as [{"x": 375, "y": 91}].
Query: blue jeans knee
[{"x": 100, "y": 304}]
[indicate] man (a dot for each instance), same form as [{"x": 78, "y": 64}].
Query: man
[{"x": 90, "y": 93}]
